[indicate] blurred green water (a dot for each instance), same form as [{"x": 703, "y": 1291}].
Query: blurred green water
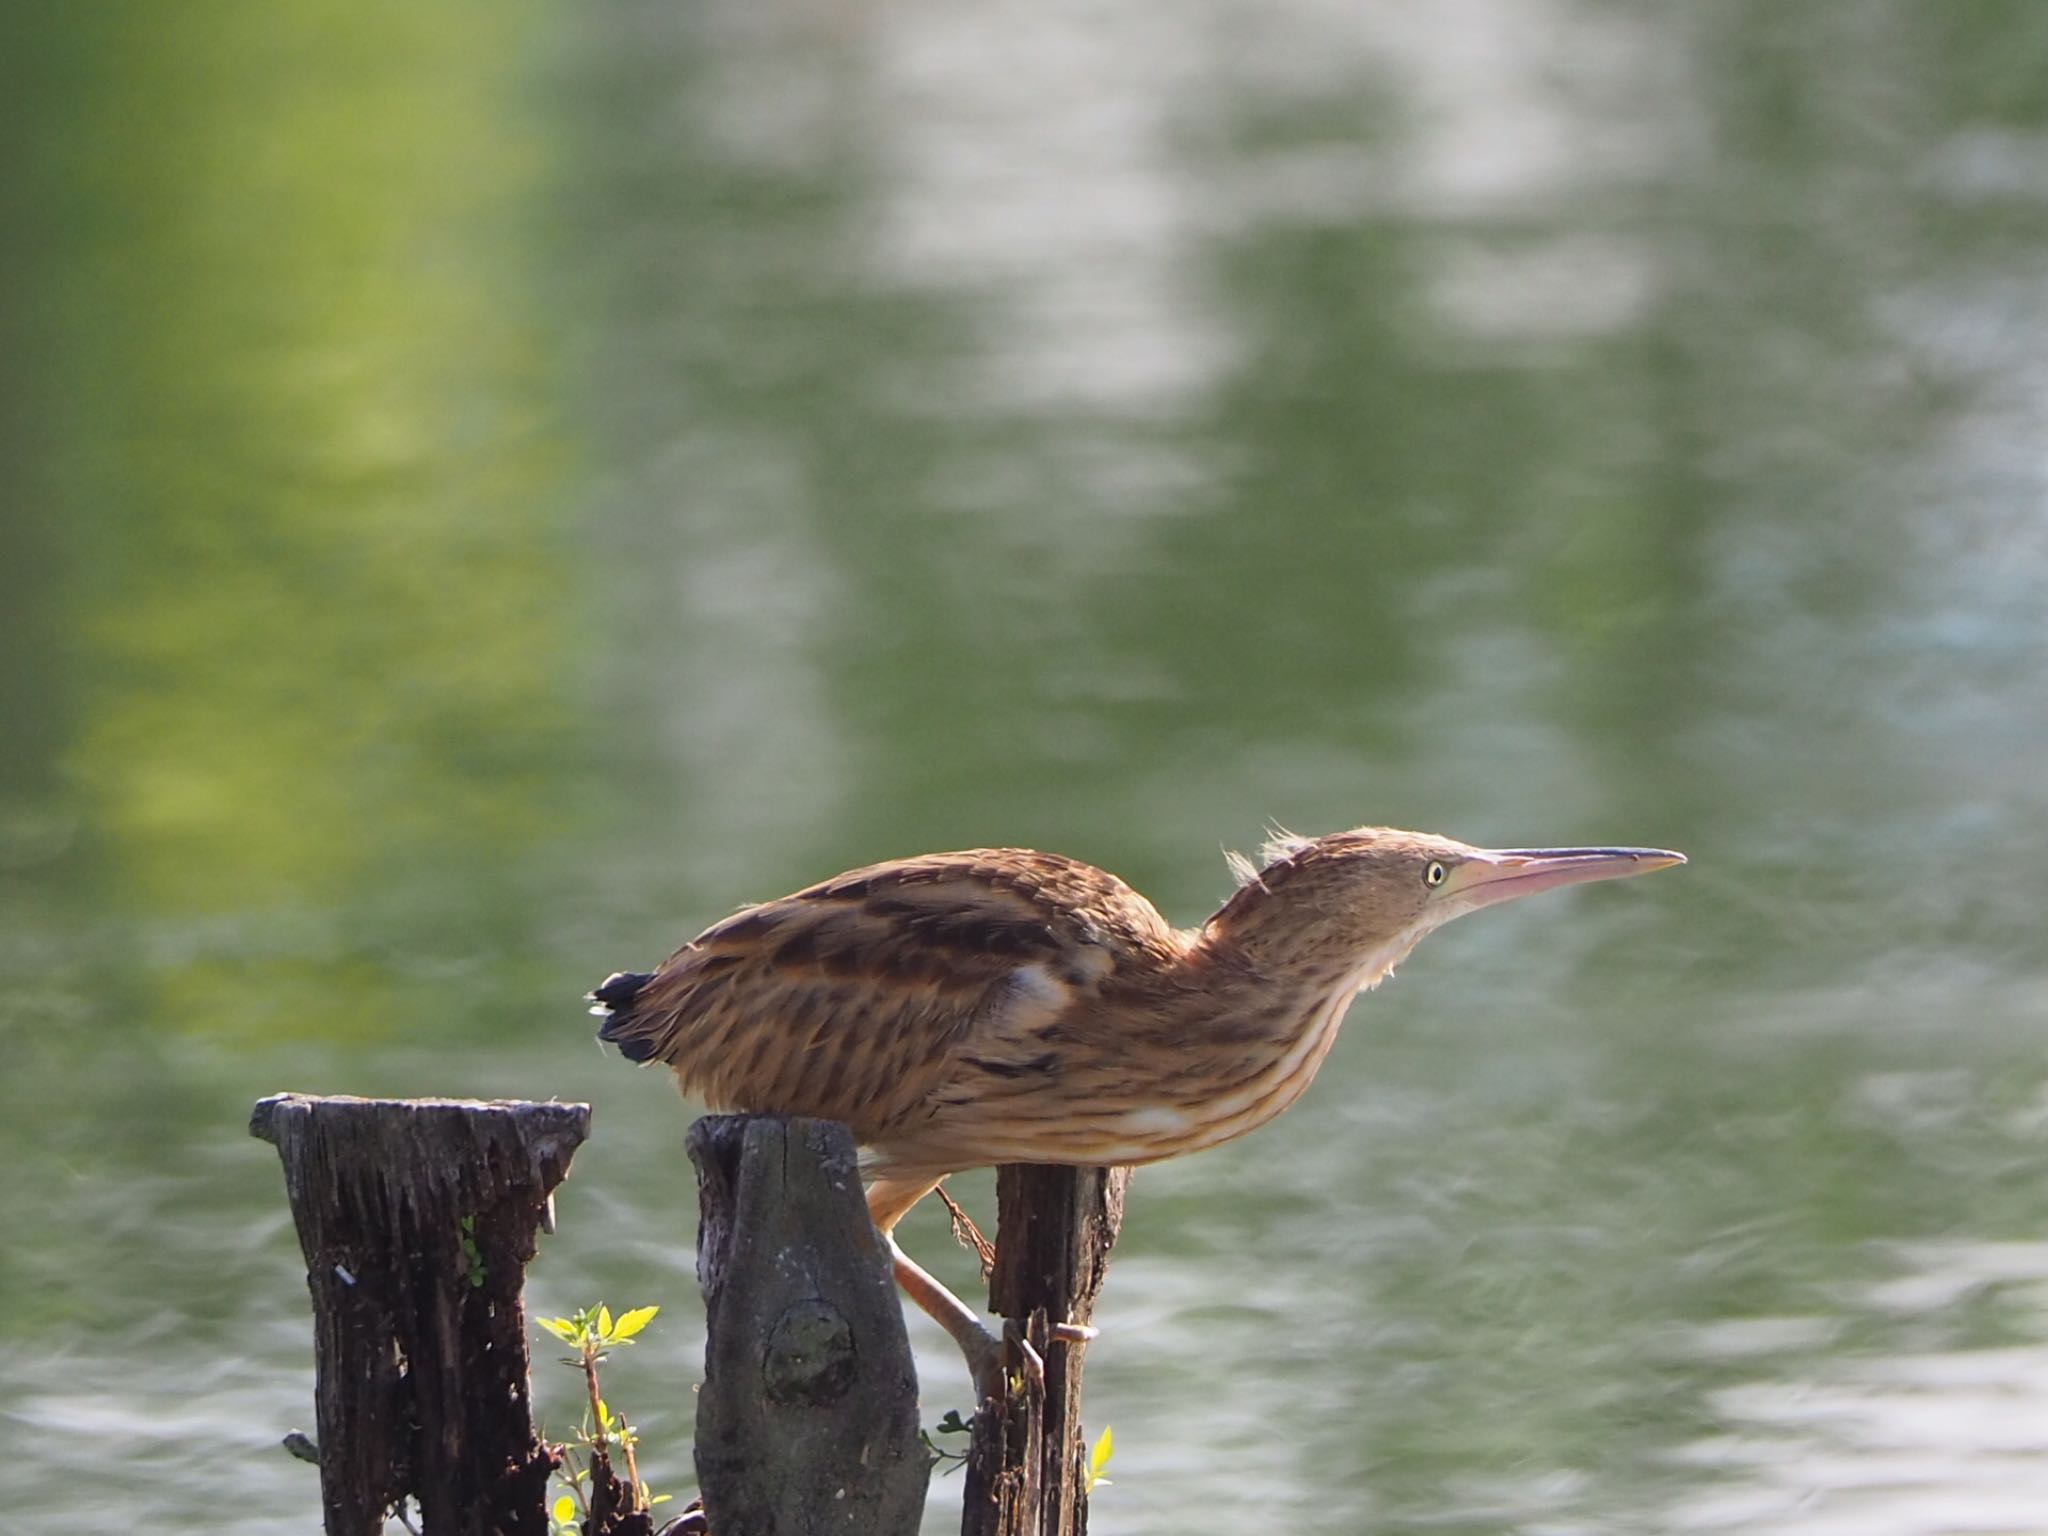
[{"x": 492, "y": 488}]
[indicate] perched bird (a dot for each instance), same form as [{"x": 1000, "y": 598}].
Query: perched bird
[{"x": 958, "y": 1010}]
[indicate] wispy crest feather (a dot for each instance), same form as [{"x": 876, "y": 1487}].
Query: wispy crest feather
[{"x": 1279, "y": 844}]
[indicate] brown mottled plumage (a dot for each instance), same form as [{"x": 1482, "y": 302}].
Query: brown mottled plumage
[{"x": 1001, "y": 1005}]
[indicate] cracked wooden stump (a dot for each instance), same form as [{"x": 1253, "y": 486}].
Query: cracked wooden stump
[
  {"x": 807, "y": 1421},
  {"x": 1027, "y": 1466},
  {"x": 417, "y": 1218}
]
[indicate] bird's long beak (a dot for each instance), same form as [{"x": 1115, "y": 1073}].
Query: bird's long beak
[{"x": 1502, "y": 874}]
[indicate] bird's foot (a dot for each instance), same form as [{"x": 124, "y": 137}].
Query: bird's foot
[
  {"x": 968, "y": 1235},
  {"x": 988, "y": 1357},
  {"x": 1028, "y": 1358},
  {"x": 988, "y": 1361}
]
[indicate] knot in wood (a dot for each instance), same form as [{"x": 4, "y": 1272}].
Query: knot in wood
[{"x": 810, "y": 1360}]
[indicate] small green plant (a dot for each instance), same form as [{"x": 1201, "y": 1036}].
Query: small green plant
[
  {"x": 591, "y": 1332},
  {"x": 1098, "y": 1460},
  {"x": 471, "y": 1254},
  {"x": 953, "y": 1424},
  {"x": 949, "y": 1461}
]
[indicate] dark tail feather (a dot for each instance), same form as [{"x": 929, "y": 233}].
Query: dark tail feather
[{"x": 615, "y": 996}]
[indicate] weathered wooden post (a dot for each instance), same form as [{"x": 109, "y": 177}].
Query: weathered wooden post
[
  {"x": 417, "y": 1218},
  {"x": 1027, "y": 1465},
  {"x": 807, "y": 1419}
]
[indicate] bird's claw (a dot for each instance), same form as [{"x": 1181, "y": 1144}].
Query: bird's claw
[
  {"x": 988, "y": 1361},
  {"x": 1028, "y": 1357}
]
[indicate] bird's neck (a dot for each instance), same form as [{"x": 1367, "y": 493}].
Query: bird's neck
[
  {"x": 1277, "y": 969},
  {"x": 1251, "y": 1034}
]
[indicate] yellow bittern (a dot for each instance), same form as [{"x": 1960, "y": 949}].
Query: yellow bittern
[{"x": 1003, "y": 1006}]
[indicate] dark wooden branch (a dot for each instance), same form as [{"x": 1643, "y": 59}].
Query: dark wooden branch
[
  {"x": 1028, "y": 1461},
  {"x": 417, "y": 1218},
  {"x": 807, "y": 1419}
]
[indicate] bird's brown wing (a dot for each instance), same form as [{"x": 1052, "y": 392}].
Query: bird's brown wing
[{"x": 859, "y": 998}]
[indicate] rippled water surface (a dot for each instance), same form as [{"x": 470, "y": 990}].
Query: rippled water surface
[{"x": 491, "y": 488}]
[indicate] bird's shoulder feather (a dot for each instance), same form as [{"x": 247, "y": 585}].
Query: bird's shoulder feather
[{"x": 856, "y": 998}]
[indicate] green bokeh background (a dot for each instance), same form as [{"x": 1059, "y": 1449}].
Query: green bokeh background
[{"x": 490, "y": 488}]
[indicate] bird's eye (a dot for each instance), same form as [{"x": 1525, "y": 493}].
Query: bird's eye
[{"x": 1435, "y": 874}]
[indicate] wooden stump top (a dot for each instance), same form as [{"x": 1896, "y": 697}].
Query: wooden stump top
[{"x": 417, "y": 1218}]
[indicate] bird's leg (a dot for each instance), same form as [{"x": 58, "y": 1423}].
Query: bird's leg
[
  {"x": 888, "y": 1202},
  {"x": 984, "y": 1351}
]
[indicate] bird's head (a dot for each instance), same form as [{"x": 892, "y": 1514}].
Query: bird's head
[{"x": 1359, "y": 901}]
